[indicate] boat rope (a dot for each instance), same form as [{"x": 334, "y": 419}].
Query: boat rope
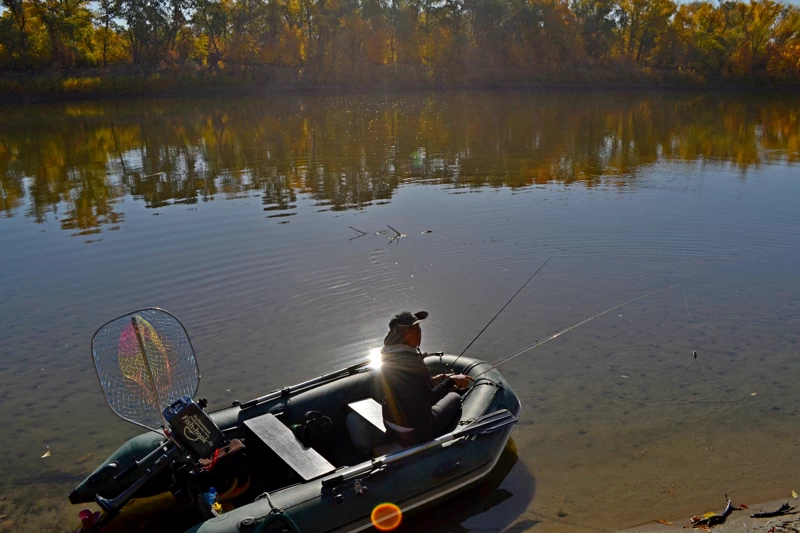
[
  {"x": 566, "y": 330},
  {"x": 272, "y": 507},
  {"x": 275, "y": 513},
  {"x": 478, "y": 382}
]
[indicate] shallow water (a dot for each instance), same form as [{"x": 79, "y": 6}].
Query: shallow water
[{"x": 236, "y": 216}]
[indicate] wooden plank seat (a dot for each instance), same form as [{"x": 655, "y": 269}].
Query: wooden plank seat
[{"x": 280, "y": 439}]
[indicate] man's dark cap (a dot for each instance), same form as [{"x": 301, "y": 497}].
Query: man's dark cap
[{"x": 407, "y": 319}]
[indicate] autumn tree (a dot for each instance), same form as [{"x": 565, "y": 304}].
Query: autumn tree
[
  {"x": 151, "y": 27},
  {"x": 639, "y": 25},
  {"x": 14, "y": 32},
  {"x": 596, "y": 25},
  {"x": 758, "y": 21},
  {"x": 68, "y": 24}
]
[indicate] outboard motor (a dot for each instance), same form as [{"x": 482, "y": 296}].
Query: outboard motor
[{"x": 193, "y": 429}]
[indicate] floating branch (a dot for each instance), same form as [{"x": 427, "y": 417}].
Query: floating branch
[
  {"x": 397, "y": 235},
  {"x": 357, "y": 230}
]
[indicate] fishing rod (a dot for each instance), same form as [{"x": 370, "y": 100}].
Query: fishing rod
[
  {"x": 566, "y": 330},
  {"x": 498, "y": 313}
]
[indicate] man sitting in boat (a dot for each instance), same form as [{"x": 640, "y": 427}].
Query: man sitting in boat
[{"x": 416, "y": 406}]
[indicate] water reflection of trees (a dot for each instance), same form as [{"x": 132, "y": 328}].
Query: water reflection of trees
[{"x": 348, "y": 152}]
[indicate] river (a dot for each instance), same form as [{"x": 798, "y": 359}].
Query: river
[{"x": 237, "y": 215}]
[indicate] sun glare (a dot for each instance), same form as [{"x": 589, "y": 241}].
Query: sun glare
[
  {"x": 375, "y": 358},
  {"x": 386, "y": 516}
]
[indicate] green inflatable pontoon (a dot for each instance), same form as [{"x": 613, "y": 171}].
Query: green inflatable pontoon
[{"x": 308, "y": 458}]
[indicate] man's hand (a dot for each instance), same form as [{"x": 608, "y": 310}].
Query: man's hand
[
  {"x": 435, "y": 380},
  {"x": 462, "y": 381}
]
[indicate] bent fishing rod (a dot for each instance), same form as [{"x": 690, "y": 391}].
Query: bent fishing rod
[
  {"x": 498, "y": 313},
  {"x": 567, "y": 330}
]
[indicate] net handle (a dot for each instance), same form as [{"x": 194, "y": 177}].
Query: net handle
[
  {"x": 135, "y": 322},
  {"x": 191, "y": 346}
]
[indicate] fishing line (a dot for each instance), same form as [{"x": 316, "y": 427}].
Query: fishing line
[
  {"x": 686, "y": 301},
  {"x": 566, "y": 330},
  {"x": 498, "y": 313}
]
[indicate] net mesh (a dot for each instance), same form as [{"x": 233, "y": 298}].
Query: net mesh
[{"x": 121, "y": 364}]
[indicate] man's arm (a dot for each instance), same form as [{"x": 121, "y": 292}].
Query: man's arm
[{"x": 440, "y": 391}]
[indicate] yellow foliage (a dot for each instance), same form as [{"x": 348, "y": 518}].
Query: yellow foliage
[
  {"x": 84, "y": 110},
  {"x": 80, "y": 85},
  {"x": 377, "y": 45},
  {"x": 742, "y": 61},
  {"x": 291, "y": 46},
  {"x": 200, "y": 53},
  {"x": 116, "y": 47}
]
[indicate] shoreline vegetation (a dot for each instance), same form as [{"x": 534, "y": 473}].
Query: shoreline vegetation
[
  {"x": 80, "y": 86},
  {"x": 75, "y": 49}
]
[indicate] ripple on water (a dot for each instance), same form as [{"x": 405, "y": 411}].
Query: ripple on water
[{"x": 676, "y": 392}]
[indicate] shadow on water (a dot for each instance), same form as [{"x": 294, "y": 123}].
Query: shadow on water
[{"x": 494, "y": 505}]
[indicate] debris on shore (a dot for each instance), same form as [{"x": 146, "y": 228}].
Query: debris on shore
[
  {"x": 780, "y": 511},
  {"x": 713, "y": 519}
]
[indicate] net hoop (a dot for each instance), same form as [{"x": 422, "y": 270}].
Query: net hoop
[{"x": 120, "y": 372}]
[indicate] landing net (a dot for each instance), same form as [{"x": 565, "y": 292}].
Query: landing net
[{"x": 121, "y": 358}]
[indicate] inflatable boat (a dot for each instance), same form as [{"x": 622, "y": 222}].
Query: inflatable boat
[{"x": 312, "y": 457}]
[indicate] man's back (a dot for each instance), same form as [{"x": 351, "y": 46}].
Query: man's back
[{"x": 407, "y": 389}]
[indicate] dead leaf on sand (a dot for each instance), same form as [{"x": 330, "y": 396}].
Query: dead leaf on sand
[
  {"x": 794, "y": 494},
  {"x": 665, "y": 522}
]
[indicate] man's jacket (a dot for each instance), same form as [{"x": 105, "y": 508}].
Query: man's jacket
[{"x": 408, "y": 394}]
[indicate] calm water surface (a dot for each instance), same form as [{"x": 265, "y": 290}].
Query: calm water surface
[{"x": 236, "y": 216}]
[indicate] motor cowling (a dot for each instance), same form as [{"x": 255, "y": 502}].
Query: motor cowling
[{"x": 193, "y": 429}]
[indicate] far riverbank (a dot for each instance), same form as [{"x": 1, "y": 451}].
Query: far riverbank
[{"x": 96, "y": 84}]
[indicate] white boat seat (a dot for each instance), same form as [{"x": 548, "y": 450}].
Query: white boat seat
[
  {"x": 365, "y": 425},
  {"x": 280, "y": 439},
  {"x": 371, "y": 411}
]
